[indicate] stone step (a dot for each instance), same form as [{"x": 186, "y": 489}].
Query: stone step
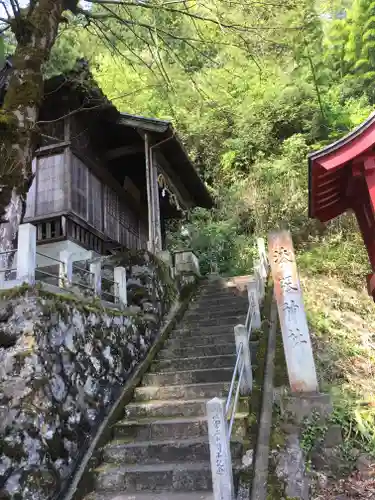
[
  {"x": 173, "y": 428},
  {"x": 222, "y": 295},
  {"x": 172, "y": 408},
  {"x": 194, "y": 363},
  {"x": 156, "y": 477},
  {"x": 196, "y": 329},
  {"x": 235, "y": 305},
  {"x": 189, "y": 391},
  {"x": 191, "y": 341},
  {"x": 169, "y": 356},
  {"x": 197, "y": 350},
  {"x": 168, "y": 353},
  {"x": 210, "y": 322},
  {"x": 189, "y": 377},
  {"x": 217, "y": 313},
  {"x": 148, "y": 452},
  {"x": 186, "y": 332},
  {"x": 215, "y": 301},
  {"x": 163, "y": 495}
]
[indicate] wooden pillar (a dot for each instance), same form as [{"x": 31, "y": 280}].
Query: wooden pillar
[
  {"x": 150, "y": 247},
  {"x": 156, "y": 204},
  {"x": 153, "y": 204}
]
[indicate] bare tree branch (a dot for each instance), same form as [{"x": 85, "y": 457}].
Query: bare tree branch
[{"x": 220, "y": 24}]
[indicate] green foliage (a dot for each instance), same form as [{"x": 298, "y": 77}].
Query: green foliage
[
  {"x": 313, "y": 432},
  {"x": 357, "y": 421},
  {"x": 338, "y": 254}
]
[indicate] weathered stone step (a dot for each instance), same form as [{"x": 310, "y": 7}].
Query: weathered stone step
[
  {"x": 215, "y": 301},
  {"x": 173, "y": 428},
  {"x": 189, "y": 377},
  {"x": 148, "y": 452},
  {"x": 170, "y": 356},
  {"x": 211, "y": 322},
  {"x": 189, "y": 391},
  {"x": 214, "y": 304},
  {"x": 196, "y": 331},
  {"x": 215, "y": 313},
  {"x": 227, "y": 294},
  {"x": 194, "y": 363},
  {"x": 212, "y": 349},
  {"x": 156, "y": 477},
  {"x": 163, "y": 495},
  {"x": 196, "y": 350},
  {"x": 172, "y": 408},
  {"x": 190, "y": 341}
]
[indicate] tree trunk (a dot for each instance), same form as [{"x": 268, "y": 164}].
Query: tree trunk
[{"x": 36, "y": 33}]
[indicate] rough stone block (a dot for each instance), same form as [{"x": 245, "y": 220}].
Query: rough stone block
[
  {"x": 366, "y": 466},
  {"x": 333, "y": 436},
  {"x": 301, "y": 407}
]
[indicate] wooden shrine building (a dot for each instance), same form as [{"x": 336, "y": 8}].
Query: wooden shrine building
[
  {"x": 341, "y": 178},
  {"x": 105, "y": 179}
]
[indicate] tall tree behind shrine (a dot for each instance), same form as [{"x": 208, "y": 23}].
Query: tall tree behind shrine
[{"x": 152, "y": 32}]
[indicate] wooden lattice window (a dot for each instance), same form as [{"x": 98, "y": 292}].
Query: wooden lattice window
[
  {"x": 128, "y": 227},
  {"x": 50, "y": 184},
  {"x": 79, "y": 187},
  {"x": 95, "y": 202},
  {"x": 87, "y": 199},
  {"x": 111, "y": 214}
]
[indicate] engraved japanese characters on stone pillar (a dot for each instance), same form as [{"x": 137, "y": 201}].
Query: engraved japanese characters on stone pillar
[
  {"x": 293, "y": 322},
  {"x": 221, "y": 462}
]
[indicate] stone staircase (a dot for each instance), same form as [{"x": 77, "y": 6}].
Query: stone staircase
[{"x": 160, "y": 449}]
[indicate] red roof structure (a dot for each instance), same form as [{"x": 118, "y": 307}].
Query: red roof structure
[{"x": 341, "y": 178}]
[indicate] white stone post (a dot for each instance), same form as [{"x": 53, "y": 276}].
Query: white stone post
[
  {"x": 66, "y": 269},
  {"x": 96, "y": 276},
  {"x": 187, "y": 263},
  {"x": 261, "y": 244},
  {"x": 241, "y": 337},
  {"x": 259, "y": 280},
  {"x": 293, "y": 321},
  {"x": 221, "y": 460},
  {"x": 166, "y": 257},
  {"x": 120, "y": 280},
  {"x": 26, "y": 253},
  {"x": 253, "y": 294}
]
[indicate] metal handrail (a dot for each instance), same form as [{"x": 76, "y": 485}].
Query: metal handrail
[
  {"x": 221, "y": 414},
  {"x": 115, "y": 287},
  {"x": 233, "y": 378},
  {"x": 238, "y": 368},
  {"x": 107, "y": 279},
  {"x": 46, "y": 273},
  {"x": 49, "y": 257},
  {"x": 248, "y": 328},
  {"x": 235, "y": 401},
  {"x": 7, "y": 252},
  {"x": 82, "y": 269}
]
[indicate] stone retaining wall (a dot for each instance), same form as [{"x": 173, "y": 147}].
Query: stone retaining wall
[{"x": 62, "y": 365}]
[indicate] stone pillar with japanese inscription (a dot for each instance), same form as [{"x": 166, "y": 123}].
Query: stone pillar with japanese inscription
[
  {"x": 221, "y": 461},
  {"x": 293, "y": 322}
]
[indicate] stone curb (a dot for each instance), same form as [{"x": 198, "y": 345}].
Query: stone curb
[
  {"x": 76, "y": 489},
  {"x": 260, "y": 474}
]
